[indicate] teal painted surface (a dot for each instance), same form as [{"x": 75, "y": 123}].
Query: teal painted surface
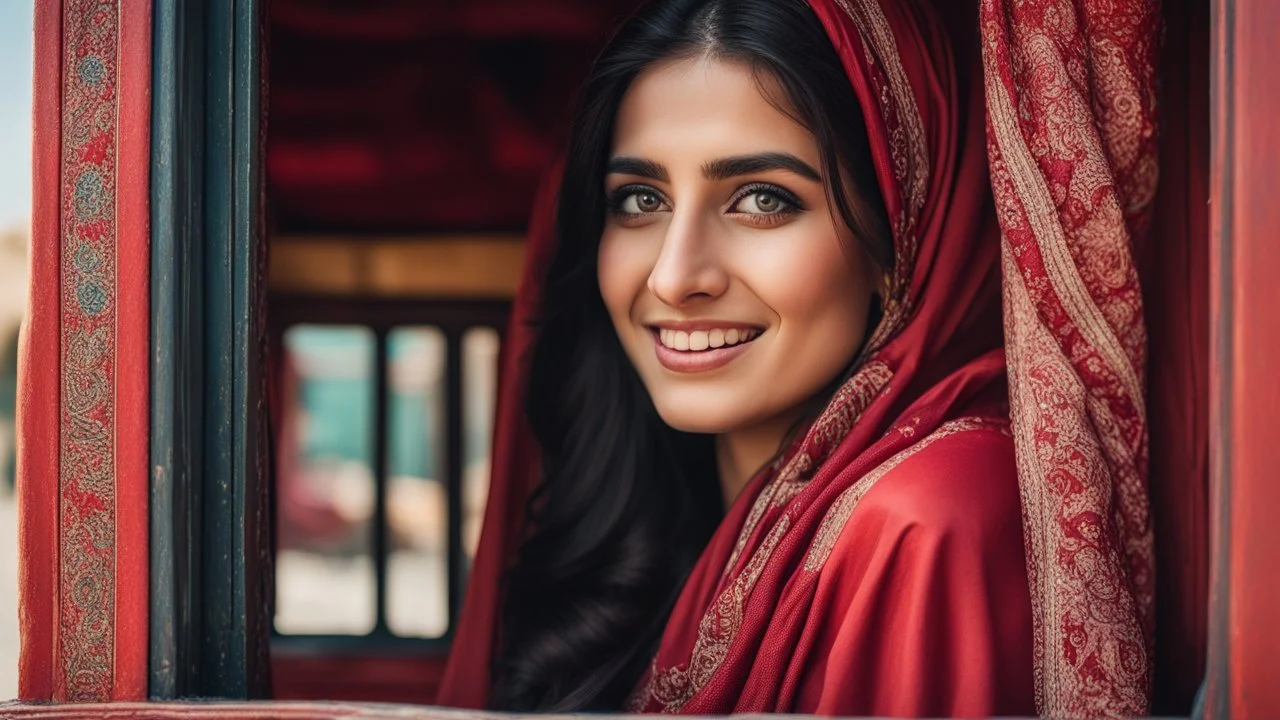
[
  {"x": 208, "y": 511},
  {"x": 8, "y": 405},
  {"x": 337, "y": 388},
  {"x": 415, "y": 422}
]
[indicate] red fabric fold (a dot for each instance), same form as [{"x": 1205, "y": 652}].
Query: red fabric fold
[{"x": 514, "y": 473}]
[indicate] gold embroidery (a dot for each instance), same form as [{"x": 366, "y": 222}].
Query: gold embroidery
[
  {"x": 674, "y": 687},
  {"x": 909, "y": 155},
  {"x": 1076, "y": 92},
  {"x": 1066, "y": 577},
  {"x": 1040, "y": 209},
  {"x": 839, "y": 417},
  {"x": 763, "y": 502},
  {"x": 913, "y": 163}
]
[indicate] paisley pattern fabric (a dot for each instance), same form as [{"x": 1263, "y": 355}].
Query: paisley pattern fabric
[
  {"x": 87, "y": 548},
  {"x": 1070, "y": 92}
]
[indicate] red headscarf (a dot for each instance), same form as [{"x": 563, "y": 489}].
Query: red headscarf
[{"x": 845, "y": 580}]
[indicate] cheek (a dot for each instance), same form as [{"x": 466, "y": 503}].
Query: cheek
[
  {"x": 821, "y": 296},
  {"x": 622, "y": 270}
]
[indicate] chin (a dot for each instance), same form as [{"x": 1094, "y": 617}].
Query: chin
[{"x": 689, "y": 417}]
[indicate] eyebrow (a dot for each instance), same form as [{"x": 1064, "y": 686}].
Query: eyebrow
[
  {"x": 718, "y": 169},
  {"x": 725, "y": 168},
  {"x": 623, "y": 165}
]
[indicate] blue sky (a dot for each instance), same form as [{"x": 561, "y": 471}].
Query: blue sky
[{"x": 15, "y": 110}]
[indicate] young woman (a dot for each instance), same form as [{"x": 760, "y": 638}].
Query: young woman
[{"x": 769, "y": 393}]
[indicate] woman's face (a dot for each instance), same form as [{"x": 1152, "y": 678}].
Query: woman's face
[{"x": 735, "y": 293}]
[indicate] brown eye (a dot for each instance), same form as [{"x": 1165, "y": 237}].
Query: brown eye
[
  {"x": 641, "y": 202},
  {"x": 767, "y": 202},
  {"x": 648, "y": 202},
  {"x": 763, "y": 201}
]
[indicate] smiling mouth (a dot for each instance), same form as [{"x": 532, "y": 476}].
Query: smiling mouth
[
  {"x": 703, "y": 350},
  {"x": 704, "y": 340}
]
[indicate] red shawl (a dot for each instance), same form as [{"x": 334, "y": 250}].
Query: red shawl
[{"x": 898, "y": 559}]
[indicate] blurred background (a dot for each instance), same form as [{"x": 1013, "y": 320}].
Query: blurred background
[{"x": 15, "y": 207}]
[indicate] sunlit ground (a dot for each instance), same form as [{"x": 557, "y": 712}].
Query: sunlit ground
[
  {"x": 8, "y": 597},
  {"x": 13, "y": 294},
  {"x": 16, "y": 53}
]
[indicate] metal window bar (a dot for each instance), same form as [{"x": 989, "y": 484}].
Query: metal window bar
[
  {"x": 454, "y": 319},
  {"x": 379, "y": 466}
]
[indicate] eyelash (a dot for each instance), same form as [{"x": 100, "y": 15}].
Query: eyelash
[
  {"x": 792, "y": 203},
  {"x": 619, "y": 196}
]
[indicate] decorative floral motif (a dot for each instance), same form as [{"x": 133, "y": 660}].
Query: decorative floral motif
[
  {"x": 1071, "y": 138},
  {"x": 88, "y": 295}
]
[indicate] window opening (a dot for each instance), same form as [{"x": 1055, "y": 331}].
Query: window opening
[
  {"x": 324, "y": 564},
  {"x": 382, "y": 468}
]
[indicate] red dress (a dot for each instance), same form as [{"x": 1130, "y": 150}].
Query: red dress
[{"x": 924, "y": 603}]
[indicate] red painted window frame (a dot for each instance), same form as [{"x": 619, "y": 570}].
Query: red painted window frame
[{"x": 1244, "y": 626}]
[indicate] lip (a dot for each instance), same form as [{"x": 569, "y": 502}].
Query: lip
[{"x": 683, "y": 361}]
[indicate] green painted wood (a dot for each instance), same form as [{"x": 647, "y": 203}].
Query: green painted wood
[
  {"x": 176, "y": 335},
  {"x": 210, "y": 527}
]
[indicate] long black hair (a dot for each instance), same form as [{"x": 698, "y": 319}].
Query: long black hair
[{"x": 626, "y": 503}]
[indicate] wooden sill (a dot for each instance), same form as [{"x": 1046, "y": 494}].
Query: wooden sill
[{"x": 467, "y": 266}]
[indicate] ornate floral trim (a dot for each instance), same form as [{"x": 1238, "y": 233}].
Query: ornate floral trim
[
  {"x": 1060, "y": 270},
  {"x": 1084, "y": 614},
  {"x": 88, "y": 298},
  {"x": 909, "y": 152}
]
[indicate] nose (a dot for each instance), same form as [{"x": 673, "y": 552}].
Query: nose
[{"x": 688, "y": 268}]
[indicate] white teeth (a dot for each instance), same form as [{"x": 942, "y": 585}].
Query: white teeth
[{"x": 700, "y": 340}]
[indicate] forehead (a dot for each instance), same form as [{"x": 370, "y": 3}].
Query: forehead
[{"x": 700, "y": 108}]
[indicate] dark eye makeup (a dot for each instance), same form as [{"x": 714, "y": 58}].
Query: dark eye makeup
[
  {"x": 771, "y": 200},
  {"x": 787, "y": 201}
]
